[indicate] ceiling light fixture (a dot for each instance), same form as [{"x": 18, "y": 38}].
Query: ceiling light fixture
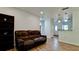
[
  {"x": 59, "y": 21},
  {"x": 41, "y": 12}
]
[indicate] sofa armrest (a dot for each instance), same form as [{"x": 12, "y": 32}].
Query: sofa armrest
[
  {"x": 20, "y": 42},
  {"x": 44, "y": 36}
]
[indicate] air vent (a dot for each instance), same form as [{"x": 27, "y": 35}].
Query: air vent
[{"x": 65, "y": 8}]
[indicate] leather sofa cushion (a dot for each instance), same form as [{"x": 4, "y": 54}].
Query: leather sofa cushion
[
  {"x": 23, "y": 37},
  {"x": 22, "y": 33},
  {"x": 34, "y": 32},
  {"x": 39, "y": 39},
  {"x": 20, "y": 40},
  {"x": 33, "y": 36},
  {"x": 29, "y": 42}
]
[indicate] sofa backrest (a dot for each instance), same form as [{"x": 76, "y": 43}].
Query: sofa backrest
[
  {"x": 34, "y": 32},
  {"x": 21, "y": 33},
  {"x": 27, "y": 34}
]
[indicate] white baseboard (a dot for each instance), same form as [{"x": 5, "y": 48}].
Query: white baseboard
[{"x": 69, "y": 43}]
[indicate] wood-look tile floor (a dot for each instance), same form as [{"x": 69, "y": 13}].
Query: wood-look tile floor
[{"x": 54, "y": 45}]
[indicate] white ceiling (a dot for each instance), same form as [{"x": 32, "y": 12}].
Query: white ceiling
[{"x": 49, "y": 11}]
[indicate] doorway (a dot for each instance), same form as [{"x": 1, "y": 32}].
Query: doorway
[
  {"x": 56, "y": 27},
  {"x": 42, "y": 27}
]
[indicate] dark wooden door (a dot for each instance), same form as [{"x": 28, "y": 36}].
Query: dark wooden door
[{"x": 6, "y": 32}]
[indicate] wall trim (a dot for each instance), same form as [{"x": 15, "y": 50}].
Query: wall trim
[{"x": 69, "y": 43}]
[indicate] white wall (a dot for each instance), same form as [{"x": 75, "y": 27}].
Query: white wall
[
  {"x": 72, "y": 37},
  {"x": 23, "y": 20}
]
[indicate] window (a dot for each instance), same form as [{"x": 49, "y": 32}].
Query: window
[
  {"x": 65, "y": 27},
  {"x": 67, "y": 22},
  {"x": 64, "y": 23},
  {"x": 56, "y": 28}
]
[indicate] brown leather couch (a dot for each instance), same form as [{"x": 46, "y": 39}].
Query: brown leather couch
[{"x": 27, "y": 39}]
